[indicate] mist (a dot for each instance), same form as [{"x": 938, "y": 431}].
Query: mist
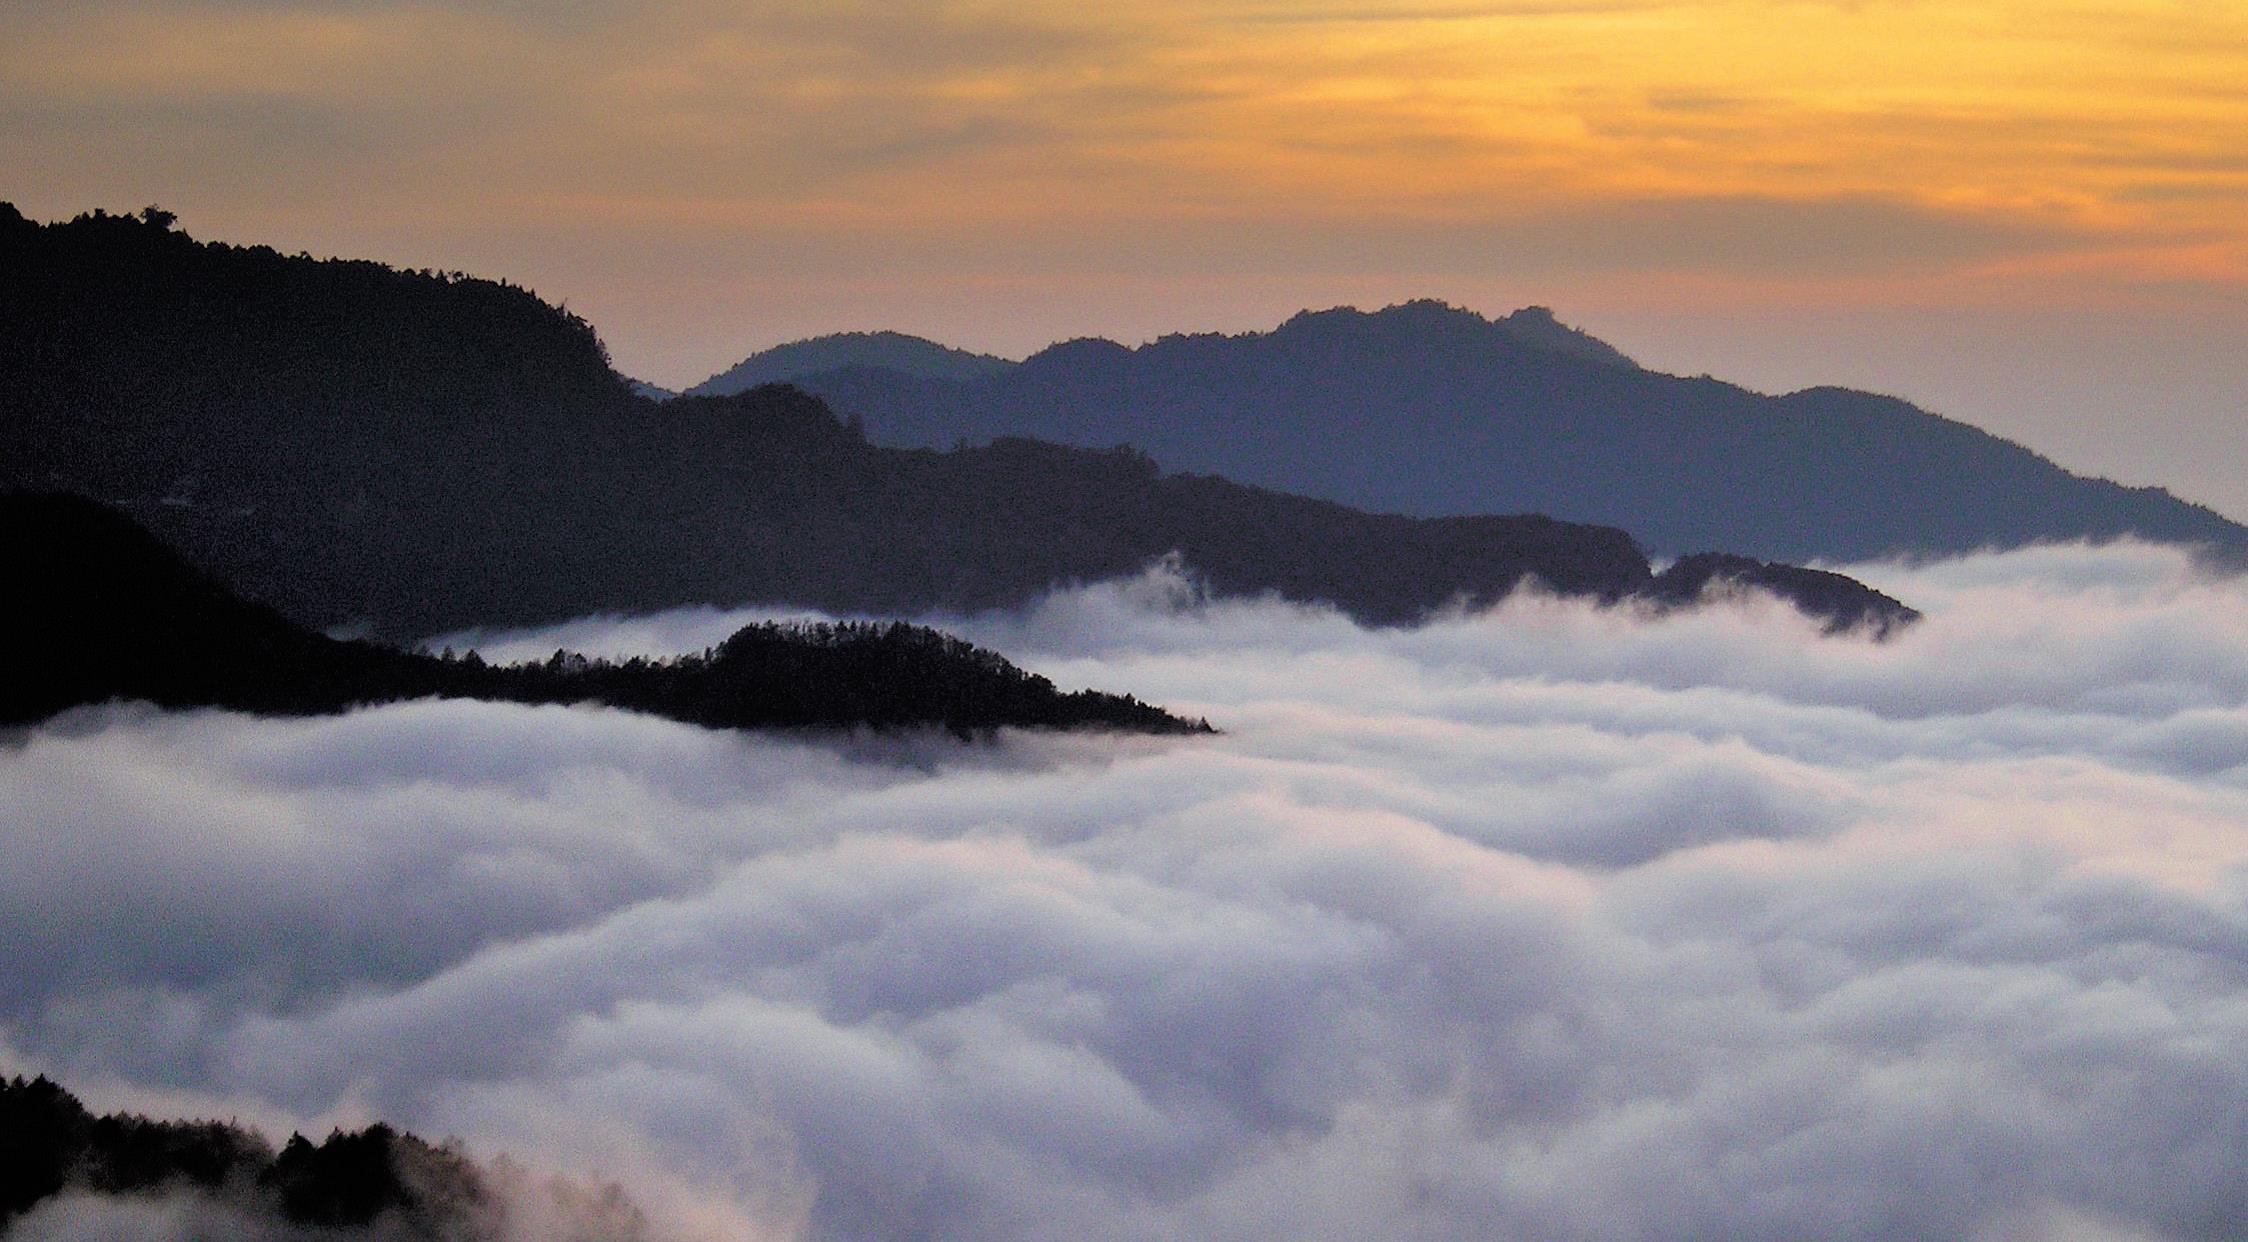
[{"x": 1545, "y": 922}]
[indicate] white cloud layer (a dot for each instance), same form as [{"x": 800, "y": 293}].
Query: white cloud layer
[{"x": 1547, "y": 923}]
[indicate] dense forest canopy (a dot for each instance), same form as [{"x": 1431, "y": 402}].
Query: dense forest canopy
[{"x": 372, "y": 1182}]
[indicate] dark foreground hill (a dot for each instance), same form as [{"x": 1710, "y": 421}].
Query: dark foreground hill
[
  {"x": 103, "y": 611},
  {"x": 1431, "y": 410},
  {"x": 229, "y": 1181},
  {"x": 420, "y": 452}
]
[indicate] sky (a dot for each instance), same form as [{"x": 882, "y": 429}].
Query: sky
[
  {"x": 1547, "y": 923},
  {"x": 2025, "y": 213}
]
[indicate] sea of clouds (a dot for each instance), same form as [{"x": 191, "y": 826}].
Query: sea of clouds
[{"x": 1540, "y": 923}]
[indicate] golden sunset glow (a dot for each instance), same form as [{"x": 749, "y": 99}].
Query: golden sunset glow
[{"x": 704, "y": 178}]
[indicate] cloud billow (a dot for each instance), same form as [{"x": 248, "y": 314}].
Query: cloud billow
[{"x": 1546, "y": 923}]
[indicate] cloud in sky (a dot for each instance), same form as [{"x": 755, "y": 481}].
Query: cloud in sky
[
  {"x": 755, "y": 108},
  {"x": 1547, "y": 923},
  {"x": 923, "y": 127},
  {"x": 1709, "y": 182}
]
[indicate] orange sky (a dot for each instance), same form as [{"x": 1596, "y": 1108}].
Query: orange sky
[{"x": 2028, "y": 213}]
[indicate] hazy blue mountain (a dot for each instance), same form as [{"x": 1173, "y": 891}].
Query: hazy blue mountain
[
  {"x": 889, "y": 351},
  {"x": 423, "y": 453},
  {"x": 1430, "y": 410},
  {"x": 653, "y": 392}
]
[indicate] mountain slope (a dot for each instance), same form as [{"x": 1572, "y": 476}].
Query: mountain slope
[
  {"x": 888, "y": 351},
  {"x": 1430, "y": 410},
  {"x": 104, "y": 611},
  {"x": 422, "y": 453}
]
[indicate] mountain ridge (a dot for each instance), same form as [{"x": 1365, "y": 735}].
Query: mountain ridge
[
  {"x": 1431, "y": 410},
  {"x": 112, "y": 613},
  {"x": 426, "y": 453},
  {"x": 924, "y": 358}
]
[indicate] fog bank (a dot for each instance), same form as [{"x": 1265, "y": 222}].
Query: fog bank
[{"x": 1544, "y": 923}]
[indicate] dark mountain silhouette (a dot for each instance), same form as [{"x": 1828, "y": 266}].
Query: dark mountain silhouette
[
  {"x": 641, "y": 388},
  {"x": 104, "y": 611},
  {"x": 889, "y": 351},
  {"x": 420, "y": 452},
  {"x": 1431, "y": 410},
  {"x": 374, "y": 1182}
]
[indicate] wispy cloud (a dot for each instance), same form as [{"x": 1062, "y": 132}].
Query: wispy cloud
[
  {"x": 702, "y": 178},
  {"x": 1155, "y": 110}
]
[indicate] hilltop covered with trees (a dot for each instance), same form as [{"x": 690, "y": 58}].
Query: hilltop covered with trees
[
  {"x": 376, "y": 1182},
  {"x": 104, "y": 611}
]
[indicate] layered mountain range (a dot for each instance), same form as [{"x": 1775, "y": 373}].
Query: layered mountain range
[
  {"x": 419, "y": 452},
  {"x": 110, "y": 613},
  {"x": 1431, "y": 410}
]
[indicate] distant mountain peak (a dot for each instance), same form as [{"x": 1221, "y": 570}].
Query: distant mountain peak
[
  {"x": 1538, "y": 325},
  {"x": 1419, "y": 322},
  {"x": 1430, "y": 409},
  {"x": 1425, "y": 321},
  {"x": 1424, "y": 314},
  {"x": 1080, "y": 352},
  {"x": 887, "y": 351}
]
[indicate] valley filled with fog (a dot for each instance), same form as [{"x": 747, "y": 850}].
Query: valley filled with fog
[{"x": 1546, "y": 922}]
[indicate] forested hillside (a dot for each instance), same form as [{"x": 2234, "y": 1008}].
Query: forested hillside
[
  {"x": 103, "y": 611},
  {"x": 221, "y": 1179},
  {"x": 419, "y": 452}
]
